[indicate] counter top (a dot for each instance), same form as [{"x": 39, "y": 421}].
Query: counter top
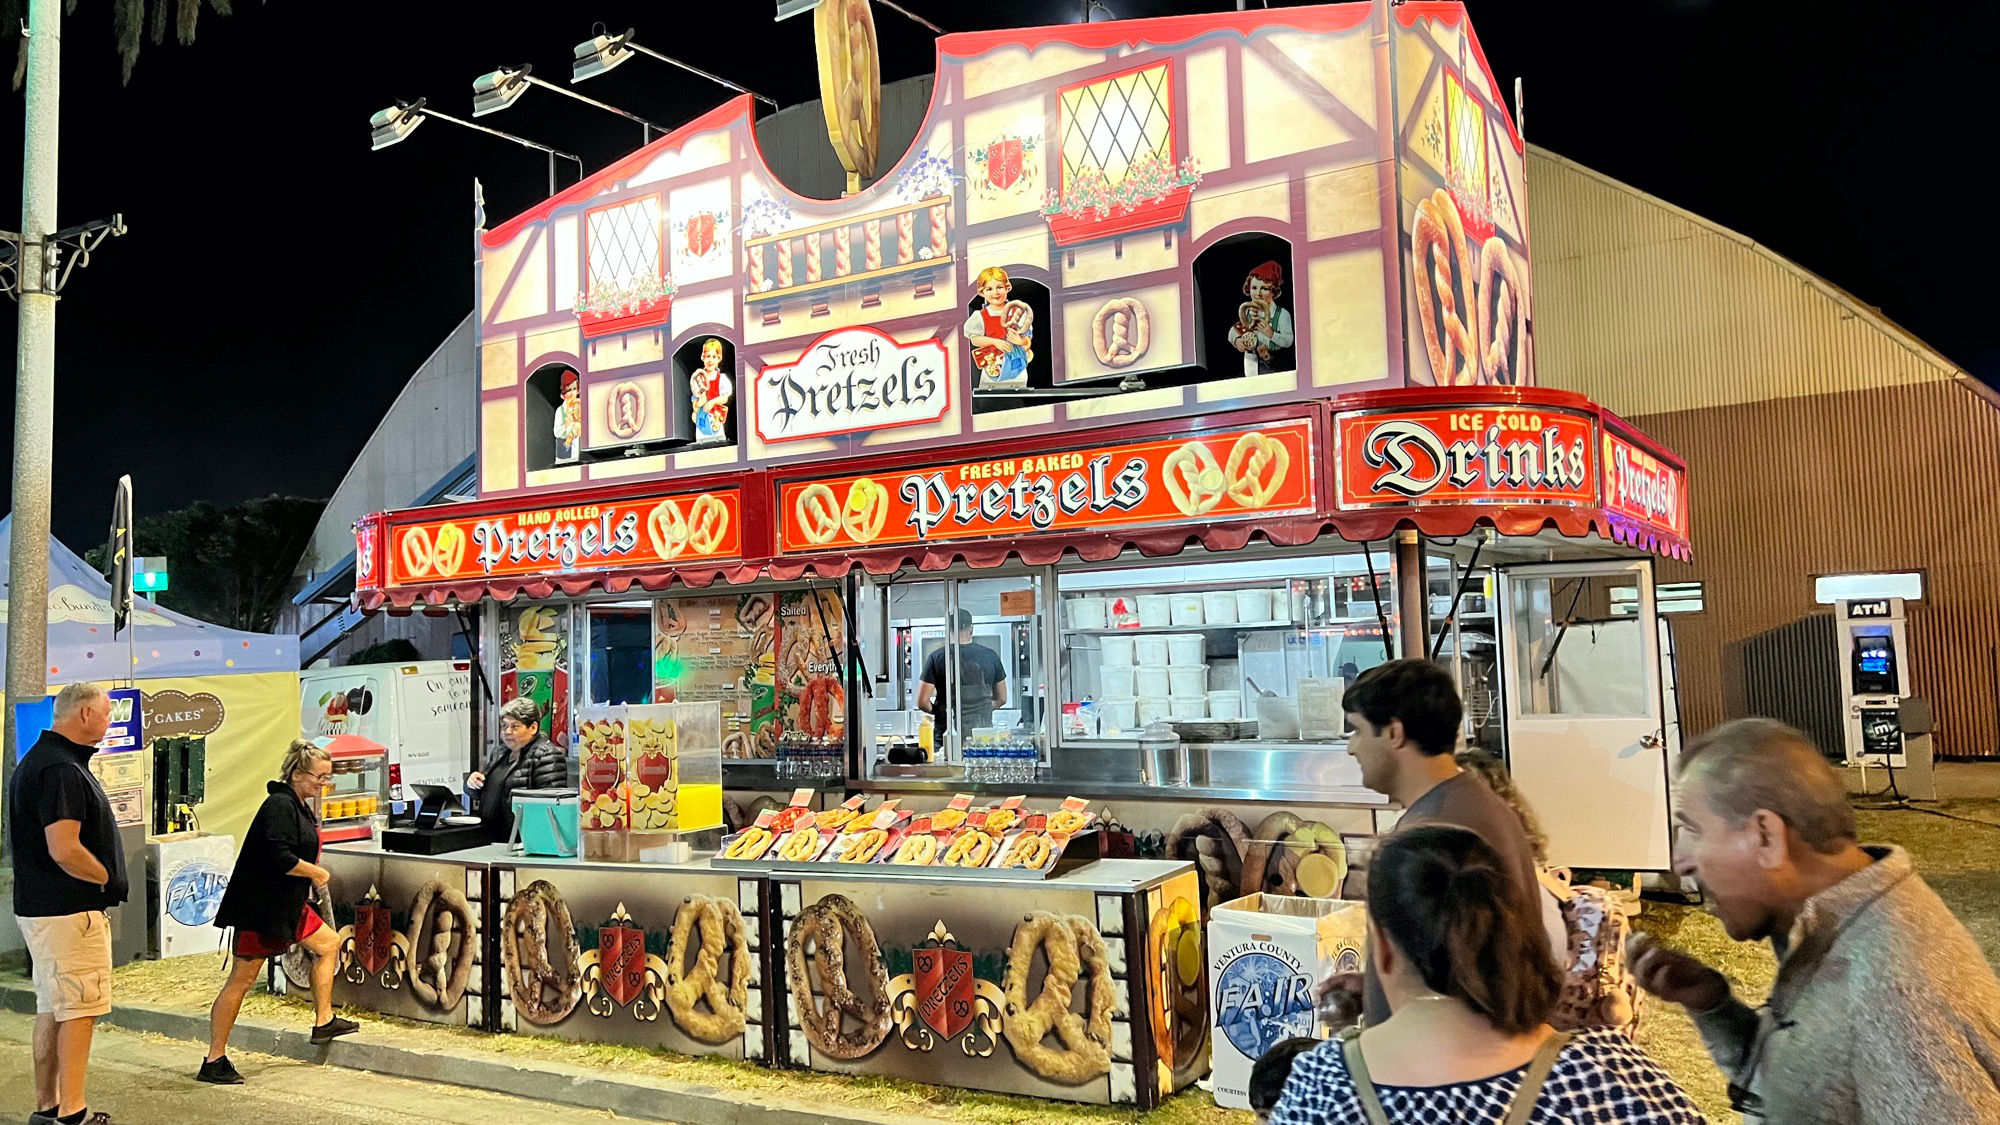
[{"x": 1338, "y": 797}]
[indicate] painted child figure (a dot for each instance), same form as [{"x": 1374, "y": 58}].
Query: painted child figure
[
  {"x": 569, "y": 419},
  {"x": 711, "y": 392},
  {"x": 1262, "y": 328},
  {"x": 1001, "y": 333}
]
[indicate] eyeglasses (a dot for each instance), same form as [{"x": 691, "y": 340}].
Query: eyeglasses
[{"x": 319, "y": 776}]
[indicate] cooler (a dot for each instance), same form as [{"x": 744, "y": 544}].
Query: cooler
[{"x": 545, "y": 821}]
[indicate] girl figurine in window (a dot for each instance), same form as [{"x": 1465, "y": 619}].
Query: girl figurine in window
[
  {"x": 569, "y": 419},
  {"x": 1001, "y": 333},
  {"x": 711, "y": 391},
  {"x": 1262, "y": 328}
]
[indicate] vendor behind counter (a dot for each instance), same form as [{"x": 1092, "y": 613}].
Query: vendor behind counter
[{"x": 525, "y": 759}]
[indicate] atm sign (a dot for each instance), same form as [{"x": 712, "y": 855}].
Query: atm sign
[{"x": 1878, "y": 607}]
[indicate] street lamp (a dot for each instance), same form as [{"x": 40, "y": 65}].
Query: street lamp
[
  {"x": 602, "y": 53},
  {"x": 390, "y": 126},
  {"x": 494, "y": 92}
]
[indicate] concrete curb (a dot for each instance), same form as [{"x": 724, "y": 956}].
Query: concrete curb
[{"x": 630, "y": 1095}]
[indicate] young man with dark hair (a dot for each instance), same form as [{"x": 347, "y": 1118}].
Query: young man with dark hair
[{"x": 1406, "y": 716}]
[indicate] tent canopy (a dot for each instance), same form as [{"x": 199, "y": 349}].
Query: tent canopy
[{"x": 168, "y": 644}]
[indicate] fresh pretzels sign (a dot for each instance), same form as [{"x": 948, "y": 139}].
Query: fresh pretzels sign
[
  {"x": 1641, "y": 487},
  {"x": 1226, "y": 474},
  {"x": 644, "y": 531},
  {"x": 1467, "y": 455},
  {"x": 851, "y": 381}
]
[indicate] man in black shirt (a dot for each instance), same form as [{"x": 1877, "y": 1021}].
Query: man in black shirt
[
  {"x": 68, "y": 870},
  {"x": 982, "y": 685}
]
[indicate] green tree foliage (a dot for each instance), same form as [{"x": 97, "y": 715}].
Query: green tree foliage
[
  {"x": 229, "y": 565},
  {"x": 132, "y": 22}
]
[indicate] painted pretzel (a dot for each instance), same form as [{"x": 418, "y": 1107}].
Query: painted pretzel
[
  {"x": 543, "y": 994},
  {"x": 440, "y": 912},
  {"x": 866, "y": 510},
  {"x": 1441, "y": 265},
  {"x": 916, "y": 850},
  {"x": 1256, "y": 469},
  {"x": 448, "y": 553},
  {"x": 1194, "y": 480},
  {"x": 1121, "y": 333},
  {"x": 723, "y": 941},
  {"x": 419, "y": 555},
  {"x": 1503, "y": 314},
  {"x": 1174, "y": 926},
  {"x": 625, "y": 412},
  {"x": 818, "y": 943},
  {"x": 708, "y": 522},
  {"x": 969, "y": 849},
  {"x": 667, "y": 528},
  {"x": 819, "y": 514},
  {"x": 1071, "y": 945}
]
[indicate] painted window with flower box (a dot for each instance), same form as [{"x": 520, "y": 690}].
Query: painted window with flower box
[
  {"x": 625, "y": 280},
  {"x": 1119, "y": 164}
]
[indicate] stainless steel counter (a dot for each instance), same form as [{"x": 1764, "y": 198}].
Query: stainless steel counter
[{"x": 1334, "y": 797}]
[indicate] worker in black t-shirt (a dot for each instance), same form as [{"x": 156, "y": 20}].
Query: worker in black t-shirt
[{"x": 982, "y": 685}]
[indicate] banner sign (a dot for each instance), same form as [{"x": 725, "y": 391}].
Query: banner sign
[
  {"x": 636, "y": 532},
  {"x": 1643, "y": 488},
  {"x": 1229, "y": 474},
  {"x": 853, "y": 380},
  {"x": 1466, "y": 455}
]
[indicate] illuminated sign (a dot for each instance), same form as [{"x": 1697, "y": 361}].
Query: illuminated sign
[
  {"x": 1643, "y": 488},
  {"x": 1467, "y": 455},
  {"x": 849, "y": 381},
  {"x": 595, "y": 536}
]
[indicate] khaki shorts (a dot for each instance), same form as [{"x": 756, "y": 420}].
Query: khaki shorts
[{"x": 72, "y": 955}]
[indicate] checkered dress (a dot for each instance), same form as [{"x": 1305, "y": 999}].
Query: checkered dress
[{"x": 1600, "y": 1078}]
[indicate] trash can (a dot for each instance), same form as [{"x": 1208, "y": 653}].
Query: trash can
[{"x": 1265, "y": 953}]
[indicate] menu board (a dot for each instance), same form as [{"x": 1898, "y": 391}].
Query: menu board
[
  {"x": 812, "y": 648},
  {"x": 722, "y": 650}
]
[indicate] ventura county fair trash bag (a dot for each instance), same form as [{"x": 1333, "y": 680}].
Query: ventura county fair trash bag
[{"x": 1264, "y": 953}]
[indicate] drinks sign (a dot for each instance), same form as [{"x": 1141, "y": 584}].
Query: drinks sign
[
  {"x": 636, "y": 532},
  {"x": 1476, "y": 455},
  {"x": 1641, "y": 487},
  {"x": 851, "y": 381},
  {"x": 1228, "y": 474}
]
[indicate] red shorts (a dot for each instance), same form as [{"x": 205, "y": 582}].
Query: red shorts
[{"x": 251, "y": 945}]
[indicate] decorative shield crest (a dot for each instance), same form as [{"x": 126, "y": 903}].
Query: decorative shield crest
[
  {"x": 945, "y": 988},
  {"x": 374, "y": 933},
  {"x": 1004, "y": 161},
  {"x": 943, "y": 998},
  {"x": 621, "y": 957},
  {"x": 700, "y": 234}
]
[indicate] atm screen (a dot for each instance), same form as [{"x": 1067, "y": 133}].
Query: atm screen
[{"x": 1875, "y": 666}]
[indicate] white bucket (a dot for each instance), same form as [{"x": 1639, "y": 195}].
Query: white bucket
[
  {"x": 1185, "y": 609},
  {"x": 1154, "y": 709},
  {"x": 1116, "y": 651},
  {"x": 1188, "y": 679},
  {"x": 1117, "y": 714},
  {"x": 1086, "y": 613},
  {"x": 1187, "y": 708},
  {"x": 1219, "y": 607},
  {"x": 1184, "y": 648},
  {"x": 1149, "y": 650},
  {"x": 1253, "y": 606},
  {"x": 1152, "y": 681},
  {"x": 1115, "y": 682},
  {"x": 1156, "y": 611},
  {"x": 1225, "y": 704}
]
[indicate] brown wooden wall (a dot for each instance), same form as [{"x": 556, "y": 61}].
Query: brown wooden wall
[{"x": 1898, "y": 478}]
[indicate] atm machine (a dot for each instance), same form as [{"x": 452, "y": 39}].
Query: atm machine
[{"x": 1887, "y": 727}]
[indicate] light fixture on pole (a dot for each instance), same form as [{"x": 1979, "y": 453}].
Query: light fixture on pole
[
  {"x": 604, "y": 52},
  {"x": 390, "y": 126},
  {"x": 789, "y": 8},
  {"x": 494, "y": 92}
]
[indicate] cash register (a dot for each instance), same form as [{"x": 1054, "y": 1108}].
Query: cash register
[{"x": 434, "y": 829}]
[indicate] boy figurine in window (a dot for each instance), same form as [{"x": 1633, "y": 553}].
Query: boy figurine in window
[
  {"x": 711, "y": 391},
  {"x": 1262, "y": 328},
  {"x": 569, "y": 419},
  {"x": 1001, "y": 333}
]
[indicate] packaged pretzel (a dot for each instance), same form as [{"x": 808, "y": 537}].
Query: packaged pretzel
[
  {"x": 754, "y": 841},
  {"x": 868, "y": 841}
]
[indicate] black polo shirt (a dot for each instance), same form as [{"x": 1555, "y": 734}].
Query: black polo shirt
[{"x": 54, "y": 783}]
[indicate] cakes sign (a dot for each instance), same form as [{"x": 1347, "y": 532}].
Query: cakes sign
[{"x": 853, "y": 380}]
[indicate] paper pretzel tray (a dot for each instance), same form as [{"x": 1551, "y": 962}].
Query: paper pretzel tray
[{"x": 1083, "y": 849}]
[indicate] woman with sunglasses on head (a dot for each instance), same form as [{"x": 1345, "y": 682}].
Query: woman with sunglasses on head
[
  {"x": 266, "y": 904},
  {"x": 1470, "y": 981}
]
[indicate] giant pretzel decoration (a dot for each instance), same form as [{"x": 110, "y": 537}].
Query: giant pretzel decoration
[
  {"x": 1071, "y": 944},
  {"x": 1256, "y": 469},
  {"x": 1121, "y": 333},
  {"x": 707, "y": 523},
  {"x": 1194, "y": 480},
  {"x": 1474, "y": 320},
  {"x": 866, "y": 510},
  {"x": 1181, "y": 991},
  {"x": 850, "y": 80},
  {"x": 819, "y": 514},
  {"x": 667, "y": 528},
  {"x": 720, "y": 975},
  {"x": 818, "y": 943},
  {"x": 543, "y": 994},
  {"x": 439, "y": 910},
  {"x": 417, "y": 552}
]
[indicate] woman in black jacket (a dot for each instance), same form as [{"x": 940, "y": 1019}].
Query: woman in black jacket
[
  {"x": 265, "y": 903},
  {"x": 525, "y": 760}
]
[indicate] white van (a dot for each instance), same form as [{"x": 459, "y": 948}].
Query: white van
[{"x": 422, "y": 712}]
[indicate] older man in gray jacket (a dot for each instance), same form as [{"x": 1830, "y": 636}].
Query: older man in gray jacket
[{"x": 1884, "y": 1010}]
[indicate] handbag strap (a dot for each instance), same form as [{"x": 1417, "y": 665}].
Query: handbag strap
[
  {"x": 1357, "y": 1072},
  {"x": 1532, "y": 1082}
]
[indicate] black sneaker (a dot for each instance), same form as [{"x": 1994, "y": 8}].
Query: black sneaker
[
  {"x": 220, "y": 1072},
  {"x": 333, "y": 1029}
]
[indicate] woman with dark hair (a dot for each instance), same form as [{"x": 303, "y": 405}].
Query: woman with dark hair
[
  {"x": 1470, "y": 981},
  {"x": 524, "y": 760}
]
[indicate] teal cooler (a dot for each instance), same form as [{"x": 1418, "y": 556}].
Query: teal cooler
[{"x": 545, "y": 821}]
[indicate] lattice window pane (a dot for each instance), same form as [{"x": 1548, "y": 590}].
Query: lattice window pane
[
  {"x": 1110, "y": 124},
  {"x": 624, "y": 244}
]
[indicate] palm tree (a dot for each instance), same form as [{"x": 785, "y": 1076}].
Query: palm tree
[{"x": 131, "y": 21}]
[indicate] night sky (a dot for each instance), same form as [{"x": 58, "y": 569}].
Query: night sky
[{"x": 281, "y": 282}]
